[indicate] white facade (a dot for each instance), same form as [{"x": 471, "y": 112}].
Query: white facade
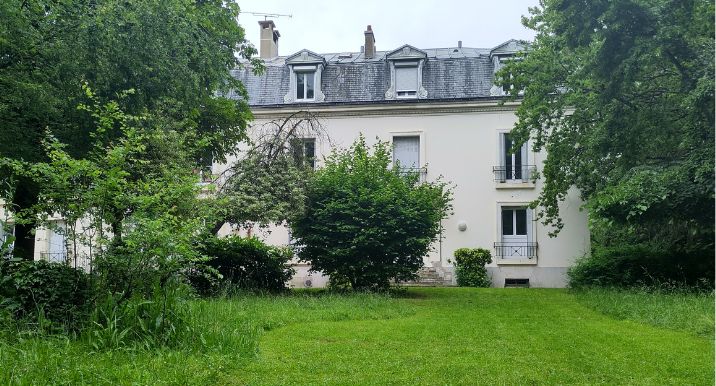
[{"x": 462, "y": 142}]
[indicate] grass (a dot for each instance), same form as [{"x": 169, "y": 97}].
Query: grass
[
  {"x": 426, "y": 336},
  {"x": 676, "y": 310}
]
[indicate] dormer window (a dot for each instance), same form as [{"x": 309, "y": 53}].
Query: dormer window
[
  {"x": 406, "y": 80},
  {"x": 406, "y": 70},
  {"x": 305, "y": 84}
]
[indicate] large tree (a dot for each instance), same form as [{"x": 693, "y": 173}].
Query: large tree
[
  {"x": 621, "y": 95},
  {"x": 176, "y": 56}
]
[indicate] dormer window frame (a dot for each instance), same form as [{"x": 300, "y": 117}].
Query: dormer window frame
[
  {"x": 304, "y": 72},
  {"x": 300, "y": 64},
  {"x": 406, "y": 65},
  {"x": 406, "y": 57}
]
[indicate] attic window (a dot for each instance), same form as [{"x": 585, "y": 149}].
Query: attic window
[
  {"x": 305, "y": 81},
  {"x": 406, "y": 80}
]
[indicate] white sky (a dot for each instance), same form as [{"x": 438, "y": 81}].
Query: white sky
[{"x": 325, "y": 26}]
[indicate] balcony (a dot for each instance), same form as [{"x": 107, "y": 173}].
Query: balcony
[
  {"x": 516, "y": 250},
  {"x": 54, "y": 257},
  {"x": 509, "y": 174},
  {"x": 422, "y": 173}
]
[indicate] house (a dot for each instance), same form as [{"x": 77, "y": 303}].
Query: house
[{"x": 445, "y": 117}]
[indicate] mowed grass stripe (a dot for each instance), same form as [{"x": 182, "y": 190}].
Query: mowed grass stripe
[{"x": 482, "y": 336}]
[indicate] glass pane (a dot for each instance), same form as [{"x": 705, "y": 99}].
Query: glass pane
[
  {"x": 309, "y": 151},
  {"x": 309, "y": 85},
  {"x": 507, "y": 225},
  {"x": 300, "y": 86},
  {"x": 521, "y": 218},
  {"x": 508, "y": 156},
  {"x": 518, "y": 165}
]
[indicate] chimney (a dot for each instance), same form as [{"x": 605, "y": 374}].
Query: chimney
[
  {"x": 268, "y": 47},
  {"x": 369, "y": 43},
  {"x": 459, "y": 44}
]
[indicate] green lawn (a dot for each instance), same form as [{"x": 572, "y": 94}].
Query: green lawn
[{"x": 427, "y": 336}]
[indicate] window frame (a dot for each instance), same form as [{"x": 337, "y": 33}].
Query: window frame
[
  {"x": 408, "y": 93},
  {"x": 304, "y": 73},
  {"x": 422, "y": 167},
  {"x": 530, "y": 237}
]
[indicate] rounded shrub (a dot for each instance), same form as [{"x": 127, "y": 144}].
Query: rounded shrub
[
  {"x": 366, "y": 223},
  {"x": 637, "y": 265},
  {"x": 246, "y": 263},
  {"x": 470, "y": 267}
]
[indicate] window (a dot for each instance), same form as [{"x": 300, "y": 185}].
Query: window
[
  {"x": 406, "y": 81},
  {"x": 304, "y": 151},
  {"x": 56, "y": 243},
  {"x": 513, "y": 165},
  {"x": 516, "y": 239},
  {"x": 406, "y": 152},
  {"x": 6, "y": 230},
  {"x": 305, "y": 81}
]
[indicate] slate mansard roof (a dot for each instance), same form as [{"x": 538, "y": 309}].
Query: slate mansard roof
[{"x": 455, "y": 73}]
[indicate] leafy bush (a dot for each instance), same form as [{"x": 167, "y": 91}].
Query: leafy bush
[
  {"x": 637, "y": 265},
  {"x": 245, "y": 263},
  {"x": 470, "y": 267},
  {"x": 43, "y": 291},
  {"x": 158, "y": 320},
  {"x": 366, "y": 223}
]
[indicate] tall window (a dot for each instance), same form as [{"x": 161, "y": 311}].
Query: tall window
[
  {"x": 56, "y": 242},
  {"x": 406, "y": 152},
  {"x": 516, "y": 238},
  {"x": 304, "y": 151},
  {"x": 513, "y": 163},
  {"x": 406, "y": 81},
  {"x": 305, "y": 85}
]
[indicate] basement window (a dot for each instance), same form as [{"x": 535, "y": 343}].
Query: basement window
[{"x": 524, "y": 283}]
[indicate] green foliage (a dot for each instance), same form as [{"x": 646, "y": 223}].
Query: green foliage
[
  {"x": 630, "y": 265},
  {"x": 267, "y": 184},
  {"x": 135, "y": 205},
  {"x": 39, "y": 292},
  {"x": 470, "y": 267},
  {"x": 155, "y": 320},
  {"x": 673, "y": 309},
  {"x": 621, "y": 95},
  {"x": 245, "y": 263},
  {"x": 177, "y": 57},
  {"x": 367, "y": 223}
]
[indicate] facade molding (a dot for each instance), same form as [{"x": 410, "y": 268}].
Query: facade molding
[{"x": 360, "y": 110}]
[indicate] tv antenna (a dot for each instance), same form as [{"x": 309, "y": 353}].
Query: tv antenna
[{"x": 267, "y": 15}]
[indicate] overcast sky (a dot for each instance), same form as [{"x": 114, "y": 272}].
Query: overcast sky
[{"x": 325, "y": 26}]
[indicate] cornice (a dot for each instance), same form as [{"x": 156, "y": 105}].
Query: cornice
[{"x": 362, "y": 110}]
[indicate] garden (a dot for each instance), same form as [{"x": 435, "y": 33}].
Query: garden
[{"x": 108, "y": 136}]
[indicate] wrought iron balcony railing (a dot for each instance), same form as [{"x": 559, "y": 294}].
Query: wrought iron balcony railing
[
  {"x": 422, "y": 173},
  {"x": 54, "y": 257},
  {"x": 524, "y": 173},
  {"x": 516, "y": 250}
]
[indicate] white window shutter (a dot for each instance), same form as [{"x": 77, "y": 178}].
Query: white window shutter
[
  {"x": 406, "y": 79},
  {"x": 406, "y": 151}
]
